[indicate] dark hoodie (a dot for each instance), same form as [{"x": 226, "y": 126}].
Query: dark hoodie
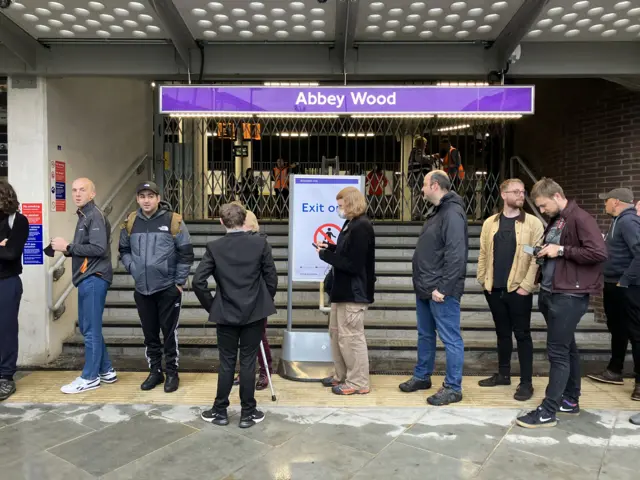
[
  {"x": 623, "y": 246},
  {"x": 440, "y": 258}
]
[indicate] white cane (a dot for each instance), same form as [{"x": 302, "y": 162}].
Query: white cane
[{"x": 264, "y": 359}]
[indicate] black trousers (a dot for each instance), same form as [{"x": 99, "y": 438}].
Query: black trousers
[
  {"x": 10, "y": 296},
  {"x": 512, "y": 316},
  {"x": 562, "y": 314},
  {"x": 248, "y": 338},
  {"x": 160, "y": 311},
  {"x": 622, "y": 307}
]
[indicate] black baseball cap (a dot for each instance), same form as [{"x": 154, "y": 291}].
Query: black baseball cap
[{"x": 150, "y": 186}]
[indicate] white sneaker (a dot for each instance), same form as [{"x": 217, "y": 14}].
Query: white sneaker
[
  {"x": 110, "y": 377},
  {"x": 80, "y": 385}
]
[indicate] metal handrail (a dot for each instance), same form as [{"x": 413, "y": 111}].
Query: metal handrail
[
  {"x": 527, "y": 170},
  {"x": 322, "y": 308},
  {"x": 56, "y": 271}
]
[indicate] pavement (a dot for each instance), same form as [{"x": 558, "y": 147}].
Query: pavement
[{"x": 152, "y": 441}]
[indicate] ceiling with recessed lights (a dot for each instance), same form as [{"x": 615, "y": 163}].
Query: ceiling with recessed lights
[
  {"x": 78, "y": 19},
  {"x": 435, "y": 20},
  {"x": 268, "y": 20},
  {"x": 587, "y": 20},
  {"x": 310, "y": 21}
]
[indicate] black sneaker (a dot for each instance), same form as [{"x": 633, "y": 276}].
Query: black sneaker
[
  {"x": 7, "y": 388},
  {"x": 495, "y": 380},
  {"x": 569, "y": 408},
  {"x": 172, "y": 383},
  {"x": 249, "y": 421},
  {"x": 445, "y": 396},
  {"x": 537, "y": 418},
  {"x": 608, "y": 377},
  {"x": 414, "y": 384},
  {"x": 211, "y": 416},
  {"x": 524, "y": 392},
  {"x": 154, "y": 379}
]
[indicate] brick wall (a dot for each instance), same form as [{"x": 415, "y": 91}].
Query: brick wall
[{"x": 586, "y": 135}]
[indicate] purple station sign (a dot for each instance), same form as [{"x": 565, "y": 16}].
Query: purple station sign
[{"x": 207, "y": 99}]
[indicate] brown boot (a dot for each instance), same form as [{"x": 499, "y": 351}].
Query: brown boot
[
  {"x": 263, "y": 382},
  {"x": 636, "y": 392},
  {"x": 608, "y": 377}
]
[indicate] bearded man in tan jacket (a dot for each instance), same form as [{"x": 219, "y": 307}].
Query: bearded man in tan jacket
[{"x": 507, "y": 271}]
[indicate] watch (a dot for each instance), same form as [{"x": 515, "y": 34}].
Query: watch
[
  {"x": 69, "y": 247},
  {"x": 561, "y": 251}
]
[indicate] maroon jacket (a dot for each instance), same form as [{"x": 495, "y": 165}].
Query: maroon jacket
[{"x": 580, "y": 269}]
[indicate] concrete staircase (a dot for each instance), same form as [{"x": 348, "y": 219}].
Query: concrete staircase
[{"x": 390, "y": 322}]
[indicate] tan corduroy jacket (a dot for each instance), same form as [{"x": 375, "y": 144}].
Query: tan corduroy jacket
[{"x": 529, "y": 231}]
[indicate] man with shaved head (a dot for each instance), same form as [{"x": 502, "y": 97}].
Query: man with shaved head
[{"x": 92, "y": 274}]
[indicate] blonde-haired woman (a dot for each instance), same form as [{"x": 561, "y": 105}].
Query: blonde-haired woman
[
  {"x": 353, "y": 269},
  {"x": 251, "y": 225}
]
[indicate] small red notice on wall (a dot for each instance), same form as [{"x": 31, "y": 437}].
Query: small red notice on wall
[
  {"x": 33, "y": 212},
  {"x": 58, "y": 186}
]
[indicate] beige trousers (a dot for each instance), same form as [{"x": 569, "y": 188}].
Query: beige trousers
[{"x": 348, "y": 344}]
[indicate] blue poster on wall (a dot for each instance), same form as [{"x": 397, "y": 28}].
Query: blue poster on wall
[{"x": 33, "y": 254}]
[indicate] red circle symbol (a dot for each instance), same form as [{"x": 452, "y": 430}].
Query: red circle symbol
[{"x": 327, "y": 233}]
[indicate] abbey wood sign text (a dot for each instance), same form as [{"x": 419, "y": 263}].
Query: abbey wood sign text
[
  {"x": 356, "y": 98},
  {"x": 497, "y": 99}
]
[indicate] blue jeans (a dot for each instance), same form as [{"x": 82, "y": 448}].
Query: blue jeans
[
  {"x": 92, "y": 295},
  {"x": 445, "y": 318}
]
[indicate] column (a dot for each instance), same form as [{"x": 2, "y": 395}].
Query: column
[
  {"x": 405, "y": 198},
  {"x": 29, "y": 176}
]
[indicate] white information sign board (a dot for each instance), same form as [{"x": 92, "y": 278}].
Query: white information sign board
[{"x": 313, "y": 218}]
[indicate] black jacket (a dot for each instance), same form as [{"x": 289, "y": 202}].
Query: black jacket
[
  {"x": 353, "y": 259},
  {"x": 246, "y": 279},
  {"x": 440, "y": 259},
  {"x": 11, "y": 254},
  {"x": 623, "y": 246}
]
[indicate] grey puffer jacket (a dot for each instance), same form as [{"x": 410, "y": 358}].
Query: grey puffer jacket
[{"x": 152, "y": 255}]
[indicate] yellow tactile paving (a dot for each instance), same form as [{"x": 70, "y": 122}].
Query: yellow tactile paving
[{"x": 200, "y": 389}]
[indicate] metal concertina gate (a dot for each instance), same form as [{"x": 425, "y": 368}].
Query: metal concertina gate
[{"x": 213, "y": 160}]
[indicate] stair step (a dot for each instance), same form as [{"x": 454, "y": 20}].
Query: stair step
[
  {"x": 382, "y": 243},
  {"x": 390, "y": 344},
  {"x": 477, "y": 321},
  {"x": 388, "y": 267},
  {"x": 403, "y": 283},
  {"x": 401, "y": 300},
  {"x": 394, "y": 229},
  {"x": 389, "y": 255},
  {"x": 379, "y": 313}
]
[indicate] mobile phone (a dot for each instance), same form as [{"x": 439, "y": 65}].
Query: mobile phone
[{"x": 528, "y": 249}]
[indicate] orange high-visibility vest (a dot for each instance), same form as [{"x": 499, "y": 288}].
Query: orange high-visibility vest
[
  {"x": 446, "y": 164},
  {"x": 282, "y": 178}
]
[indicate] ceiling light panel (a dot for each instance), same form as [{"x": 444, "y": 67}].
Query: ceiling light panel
[
  {"x": 259, "y": 21},
  {"x": 82, "y": 19},
  {"x": 433, "y": 20},
  {"x": 587, "y": 21}
]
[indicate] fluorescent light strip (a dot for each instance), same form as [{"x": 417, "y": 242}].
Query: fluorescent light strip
[
  {"x": 291, "y": 84},
  {"x": 382, "y": 115},
  {"x": 463, "y": 84},
  {"x": 358, "y": 134},
  {"x": 292, "y": 134},
  {"x": 454, "y": 127},
  {"x": 293, "y": 115}
]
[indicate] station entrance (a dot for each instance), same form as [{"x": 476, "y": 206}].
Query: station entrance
[{"x": 211, "y": 160}]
